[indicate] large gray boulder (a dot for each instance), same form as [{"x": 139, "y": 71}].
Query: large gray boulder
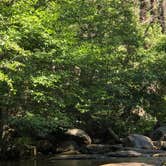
[
  {"x": 80, "y": 134},
  {"x": 138, "y": 141}
]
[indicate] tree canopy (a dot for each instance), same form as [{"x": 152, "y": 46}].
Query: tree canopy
[{"x": 63, "y": 62}]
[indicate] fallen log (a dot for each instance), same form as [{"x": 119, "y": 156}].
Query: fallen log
[{"x": 114, "y": 135}]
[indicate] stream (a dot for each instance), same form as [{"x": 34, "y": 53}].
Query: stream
[{"x": 47, "y": 162}]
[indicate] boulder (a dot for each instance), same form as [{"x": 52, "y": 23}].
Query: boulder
[
  {"x": 98, "y": 149},
  {"x": 80, "y": 134},
  {"x": 160, "y": 144},
  {"x": 101, "y": 148},
  {"x": 138, "y": 141},
  {"x": 159, "y": 134}
]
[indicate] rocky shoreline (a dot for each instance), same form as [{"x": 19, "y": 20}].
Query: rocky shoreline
[{"x": 77, "y": 144}]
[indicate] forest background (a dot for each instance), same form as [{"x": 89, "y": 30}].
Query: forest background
[{"x": 88, "y": 64}]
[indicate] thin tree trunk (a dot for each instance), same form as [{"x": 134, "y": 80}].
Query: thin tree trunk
[
  {"x": 144, "y": 6},
  {"x": 162, "y": 16},
  {"x": 1, "y": 127},
  {"x": 114, "y": 135},
  {"x": 3, "y": 119},
  {"x": 154, "y": 10}
]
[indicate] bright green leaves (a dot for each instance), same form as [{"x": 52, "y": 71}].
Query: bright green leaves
[
  {"x": 33, "y": 25},
  {"x": 5, "y": 78},
  {"x": 13, "y": 66},
  {"x": 68, "y": 56},
  {"x": 40, "y": 126},
  {"x": 46, "y": 81},
  {"x": 160, "y": 45}
]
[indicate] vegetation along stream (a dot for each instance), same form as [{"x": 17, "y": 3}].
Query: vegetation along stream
[{"x": 83, "y": 82}]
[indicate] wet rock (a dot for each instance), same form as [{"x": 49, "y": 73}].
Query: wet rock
[
  {"x": 71, "y": 152},
  {"x": 81, "y": 135},
  {"x": 97, "y": 148},
  {"x": 128, "y": 153},
  {"x": 160, "y": 154},
  {"x": 160, "y": 144},
  {"x": 138, "y": 141},
  {"x": 101, "y": 148},
  {"x": 144, "y": 151}
]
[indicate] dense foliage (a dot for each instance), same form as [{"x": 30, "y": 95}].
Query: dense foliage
[{"x": 66, "y": 62}]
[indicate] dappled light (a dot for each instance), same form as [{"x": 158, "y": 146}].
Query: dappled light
[{"x": 83, "y": 79}]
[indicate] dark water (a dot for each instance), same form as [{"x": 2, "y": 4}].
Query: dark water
[{"x": 47, "y": 162}]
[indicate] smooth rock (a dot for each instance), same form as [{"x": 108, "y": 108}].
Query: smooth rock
[
  {"x": 79, "y": 134},
  {"x": 101, "y": 148},
  {"x": 138, "y": 141}
]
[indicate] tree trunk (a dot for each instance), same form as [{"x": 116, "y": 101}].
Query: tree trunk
[
  {"x": 3, "y": 119},
  {"x": 114, "y": 135},
  {"x": 162, "y": 15},
  {"x": 1, "y": 127},
  {"x": 144, "y": 5},
  {"x": 154, "y": 10}
]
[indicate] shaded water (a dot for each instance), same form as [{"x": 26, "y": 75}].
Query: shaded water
[{"x": 47, "y": 162}]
